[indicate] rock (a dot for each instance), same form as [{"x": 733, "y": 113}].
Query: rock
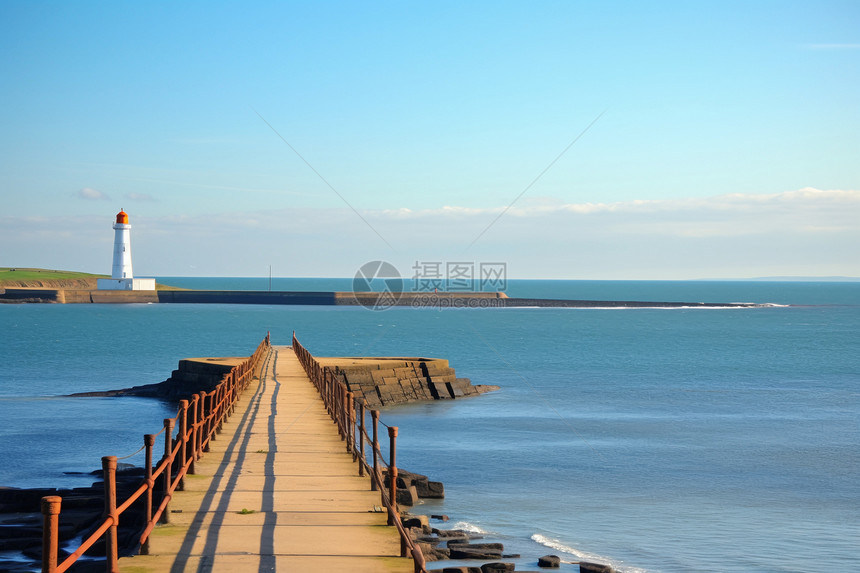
[
  {"x": 489, "y": 546},
  {"x": 462, "y": 550},
  {"x": 549, "y": 561},
  {"x": 432, "y": 553},
  {"x": 455, "y": 533},
  {"x": 414, "y": 521},
  {"x": 430, "y": 489},
  {"x": 585, "y": 567},
  {"x": 407, "y": 496},
  {"x": 423, "y": 486},
  {"x": 497, "y": 567},
  {"x": 439, "y": 517}
]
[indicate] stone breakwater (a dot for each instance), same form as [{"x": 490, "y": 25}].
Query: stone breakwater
[
  {"x": 387, "y": 381},
  {"x": 379, "y": 381},
  {"x": 331, "y": 298},
  {"x": 192, "y": 375}
]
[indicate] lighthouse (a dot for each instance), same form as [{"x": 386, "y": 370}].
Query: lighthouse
[
  {"x": 122, "y": 277},
  {"x": 121, "y": 247}
]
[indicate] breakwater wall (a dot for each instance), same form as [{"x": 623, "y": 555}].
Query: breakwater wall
[
  {"x": 394, "y": 380},
  {"x": 333, "y": 298}
]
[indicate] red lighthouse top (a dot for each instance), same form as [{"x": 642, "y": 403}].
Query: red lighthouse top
[{"x": 122, "y": 218}]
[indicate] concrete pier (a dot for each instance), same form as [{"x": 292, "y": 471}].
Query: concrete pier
[{"x": 276, "y": 491}]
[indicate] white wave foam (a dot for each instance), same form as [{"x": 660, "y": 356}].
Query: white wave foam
[
  {"x": 559, "y": 546},
  {"x": 582, "y": 555},
  {"x": 470, "y": 527}
]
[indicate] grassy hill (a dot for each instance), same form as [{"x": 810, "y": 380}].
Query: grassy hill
[{"x": 48, "y": 278}]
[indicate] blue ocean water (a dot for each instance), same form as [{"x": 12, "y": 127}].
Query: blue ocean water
[{"x": 655, "y": 439}]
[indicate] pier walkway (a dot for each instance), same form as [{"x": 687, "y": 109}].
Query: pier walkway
[{"x": 276, "y": 491}]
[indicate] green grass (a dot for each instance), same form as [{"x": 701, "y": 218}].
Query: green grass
[
  {"x": 25, "y": 274},
  {"x": 14, "y": 274}
]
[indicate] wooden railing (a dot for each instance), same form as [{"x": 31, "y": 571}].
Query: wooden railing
[
  {"x": 199, "y": 419},
  {"x": 342, "y": 406}
]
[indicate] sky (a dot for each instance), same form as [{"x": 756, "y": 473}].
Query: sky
[{"x": 569, "y": 140}]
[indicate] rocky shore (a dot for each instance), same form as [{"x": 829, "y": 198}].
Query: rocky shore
[
  {"x": 476, "y": 554},
  {"x": 21, "y": 528},
  {"x": 82, "y": 513}
]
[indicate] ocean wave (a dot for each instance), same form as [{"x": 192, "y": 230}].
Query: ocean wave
[
  {"x": 582, "y": 555},
  {"x": 469, "y": 527}
]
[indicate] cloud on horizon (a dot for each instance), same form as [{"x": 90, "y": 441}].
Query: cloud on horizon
[
  {"x": 91, "y": 194},
  {"x": 804, "y": 232}
]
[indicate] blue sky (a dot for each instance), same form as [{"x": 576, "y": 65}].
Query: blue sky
[{"x": 726, "y": 140}]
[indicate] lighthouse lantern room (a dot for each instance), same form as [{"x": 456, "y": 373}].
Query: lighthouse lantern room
[{"x": 122, "y": 277}]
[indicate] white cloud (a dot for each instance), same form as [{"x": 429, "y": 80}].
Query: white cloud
[
  {"x": 144, "y": 197},
  {"x": 92, "y": 194},
  {"x": 732, "y": 203},
  {"x": 804, "y": 232}
]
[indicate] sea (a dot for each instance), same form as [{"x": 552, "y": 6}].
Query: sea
[{"x": 675, "y": 440}]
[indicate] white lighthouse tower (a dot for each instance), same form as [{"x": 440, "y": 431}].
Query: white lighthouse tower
[{"x": 122, "y": 277}]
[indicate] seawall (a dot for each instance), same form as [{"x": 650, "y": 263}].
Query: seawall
[
  {"x": 397, "y": 380},
  {"x": 191, "y": 376},
  {"x": 332, "y": 298},
  {"x": 380, "y": 381},
  {"x": 383, "y": 381}
]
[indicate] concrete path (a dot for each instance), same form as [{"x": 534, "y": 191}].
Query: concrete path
[{"x": 276, "y": 492}]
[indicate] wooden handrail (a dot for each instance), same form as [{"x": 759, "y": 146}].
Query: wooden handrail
[
  {"x": 340, "y": 404},
  {"x": 205, "y": 423}
]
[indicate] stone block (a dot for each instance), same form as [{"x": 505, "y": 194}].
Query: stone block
[
  {"x": 416, "y": 521},
  {"x": 497, "y": 567},
  {"x": 466, "y": 552},
  {"x": 585, "y": 567},
  {"x": 454, "y": 390},
  {"x": 407, "y": 496},
  {"x": 439, "y": 391}
]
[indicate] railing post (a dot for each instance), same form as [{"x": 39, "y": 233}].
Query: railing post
[
  {"x": 167, "y": 475},
  {"x": 183, "y": 438},
  {"x": 350, "y": 415},
  {"x": 231, "y": 392},
  {"x": 50, "y": 532},
  {"x": 111, "y": 557},
  {"x": 344, "y": 408},
  {"x": 392, "y": 471},
  {"x": 362, "y": 431},
  {"x": 374, "y": 417},
  {"x": 192, "y": 406},
  {"x": 201, "y": 423},
  {"x": 218, "y": 404},
  {"x": 148, "y": 441}
]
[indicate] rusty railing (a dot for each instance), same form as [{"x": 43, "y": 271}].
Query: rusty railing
[
  {"x": 199, "y": 419},
  {"x": 341, "y": 406}
]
